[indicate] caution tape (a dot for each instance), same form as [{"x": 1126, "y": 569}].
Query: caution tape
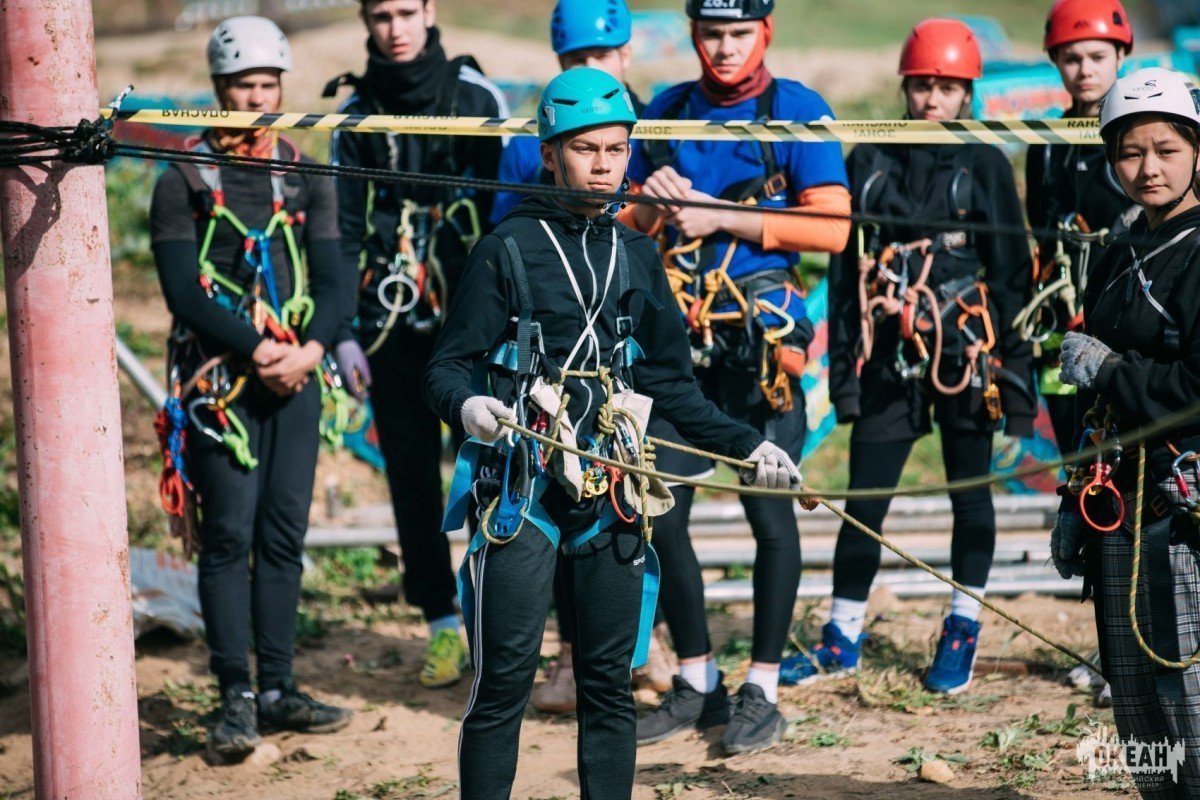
[{"x": 1008, "y": 131}]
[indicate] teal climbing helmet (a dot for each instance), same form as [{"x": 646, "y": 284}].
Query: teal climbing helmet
[{"x": 583, "y": 98}]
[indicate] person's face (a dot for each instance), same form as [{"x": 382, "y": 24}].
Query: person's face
[
  {"x": 595, "y": 159},
  {"x": 259, "y": 90},
  {"x": 936, "y": 98},
  {"x": 1155, "y": 165},
  {"x": 613, "y": 60},
  {"x": 1088, "y": 69},
  {"x": 399, "y": 28},
  {"x": 728, "y": 44}
]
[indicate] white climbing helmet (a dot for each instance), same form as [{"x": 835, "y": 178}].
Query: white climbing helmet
[
  {"x": 242, "y": 43},
  {"x": 1152, "y": 90}
]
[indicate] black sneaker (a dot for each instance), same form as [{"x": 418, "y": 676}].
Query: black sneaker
[
  {"x": 296, "y": 711},
  {"x": 236, "y": 734},
  {"x": 682, "y": 709},
  {"x": 756, "y": 723}
]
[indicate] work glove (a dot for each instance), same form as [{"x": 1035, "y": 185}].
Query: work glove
[
  {"x": 1082, "y": 357},
  {"x": 1066, "y": 544},
  {"x": 773, "y": 468},
  {"x": 481, "y": 417},
  {"x": 352, "y": 363}
]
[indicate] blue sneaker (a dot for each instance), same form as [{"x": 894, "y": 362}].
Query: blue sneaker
[
  {"x": 955, "y": 658},
  {"x": 835, "y": 656}
]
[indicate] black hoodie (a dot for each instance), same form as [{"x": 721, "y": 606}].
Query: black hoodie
[
  {"x": 916, "y": 185},
  {"x": 480, "y": 314},
  {"x": 1155, "y": 373}
]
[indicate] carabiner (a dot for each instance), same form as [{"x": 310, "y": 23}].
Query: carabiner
[
  {"x": 1181, "y": 482},
  {"x": 502, "y": 520},
  {"x": 1102, "y": 481}
]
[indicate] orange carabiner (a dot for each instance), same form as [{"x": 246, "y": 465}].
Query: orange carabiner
[
  {"x": 1101, "y": 481},
  {"x": 614, "y": 479}
]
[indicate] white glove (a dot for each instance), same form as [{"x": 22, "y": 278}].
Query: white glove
[
  {"x": 773, "y": 468},
  {"x": 481, "y": 417},
  {"x": 1066, "y": 541}
]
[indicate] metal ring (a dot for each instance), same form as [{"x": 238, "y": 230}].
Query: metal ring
[{"x": 408, "y": 283}]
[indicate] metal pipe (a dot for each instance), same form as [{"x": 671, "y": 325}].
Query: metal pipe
[
  {"x": 141, "y": 377},
  {"x": 68, "y": 420}
]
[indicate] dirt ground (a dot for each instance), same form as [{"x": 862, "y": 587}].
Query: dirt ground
[{"x": 844, "y": 741}]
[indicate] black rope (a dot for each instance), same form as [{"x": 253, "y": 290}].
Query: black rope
[{"x": 91, "y": 142}]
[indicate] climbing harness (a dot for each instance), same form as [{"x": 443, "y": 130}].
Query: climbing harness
[
  {"x": 409, "y": 285},
  {"x": 1060, "y": 283},
  {"x": 1093, "y": 483},
  {"x": 205, "y": 399},
  {"x": 889, "y": 285},
  {"x": 412, "y": 287},
  {"x": 708, "y": 296},
  {"x": 610, "y": 480}
]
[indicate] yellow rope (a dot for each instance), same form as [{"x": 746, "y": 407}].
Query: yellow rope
[
  {"x": 1133, "y": 578},
  {"x": 916, "y": 562}
]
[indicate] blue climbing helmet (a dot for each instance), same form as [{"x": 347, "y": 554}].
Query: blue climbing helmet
[
  {"x": 583, "y": 98},
  {"x": 579, "y": 24}
]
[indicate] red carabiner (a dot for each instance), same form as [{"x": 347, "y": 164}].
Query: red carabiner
[
  {"x": 1101, "y": 481},
  {"x": 614, "y": 479}
]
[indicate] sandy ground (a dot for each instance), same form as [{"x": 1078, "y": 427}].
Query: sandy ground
[{"x": 843, "y": 742}]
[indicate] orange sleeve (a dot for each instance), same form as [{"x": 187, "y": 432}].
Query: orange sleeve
[
  {"x": 796, "y": 233},
  {"x": 629, "y": 219}
]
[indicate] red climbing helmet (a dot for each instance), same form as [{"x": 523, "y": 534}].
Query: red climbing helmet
[
  {"x": 946, "y": 48},
  {"x": 1079, "y": 20}
]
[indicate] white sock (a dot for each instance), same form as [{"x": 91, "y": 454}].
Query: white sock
[
  {"x": 701, "y": 675},
  {"x": 266, "y": 698},
  {"x": 448, "y": 622},
  {"x": 965, "y": 606},
  {"x": 849, "y": 616},
  {"x": 766, "y": 679}
]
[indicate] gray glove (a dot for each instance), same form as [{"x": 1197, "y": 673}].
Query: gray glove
[
  {"x": 1066, "y": 542},
  {"x": 773, "y": 468},
  {"x": 1082, "y": 357},
  {"x": 352, "y": 363},
  {"x": 481, "y": 417}
]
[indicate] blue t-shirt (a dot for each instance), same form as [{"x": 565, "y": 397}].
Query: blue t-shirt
[
  {"x": 713, "y": 167},
  {"x": 521, "y": 162}
]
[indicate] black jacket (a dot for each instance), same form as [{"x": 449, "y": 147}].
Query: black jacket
[
  {"x": 1155, "y": 371},
  {"x": 480, "y": 314},
  {"x": 1065, "y": 179},
  {"x": 424, "y": 86},
  {"x": 916, "y": 184}
]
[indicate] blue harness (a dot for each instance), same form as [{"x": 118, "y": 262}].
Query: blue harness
[{"x": 515, "y": 508}]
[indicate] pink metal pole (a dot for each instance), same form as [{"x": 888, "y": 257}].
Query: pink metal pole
[{"x": 54, "y": 228}]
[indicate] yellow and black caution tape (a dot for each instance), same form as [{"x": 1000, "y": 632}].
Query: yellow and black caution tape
[{"x": 1007, "y": 131}]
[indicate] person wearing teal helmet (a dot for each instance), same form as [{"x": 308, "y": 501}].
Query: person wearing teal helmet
[
  {"x": 562, "y": 312},
  {"x": 584, "y": 33}
]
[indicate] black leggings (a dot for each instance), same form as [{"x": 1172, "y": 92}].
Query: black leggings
[
  {"x": 602, "y": 594},
  {"x": 410, "y": 439},
  {"x": 776, "y": 575},
  {"x": 252, "y": 527},
  {"x": 878, "y": 465}
]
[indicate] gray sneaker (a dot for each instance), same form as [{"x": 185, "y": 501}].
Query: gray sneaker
[
  {"x": 296, "y": 711},
  {"x": 236, "y": 734},
  {"x": 684, "y": 709},
  {"x": 756, "y": 723}
]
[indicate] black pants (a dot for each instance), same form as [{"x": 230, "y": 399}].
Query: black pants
[
  {"x": 410, "y": 438},
  {"x": 776, "y": 575},
  {"x": 878, "y": 465},
  {"x": 252, "y": 527},
  {"x": 602, "y": 595}
]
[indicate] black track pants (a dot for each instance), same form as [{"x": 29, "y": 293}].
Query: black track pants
[
  {"x": 603, "y": 597},
  {"x": 252, "y": 533},
  {"x": 776, "y": 575},
  {"x": 410, "y": 438},
  {"x": 878, "y": 465}
]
